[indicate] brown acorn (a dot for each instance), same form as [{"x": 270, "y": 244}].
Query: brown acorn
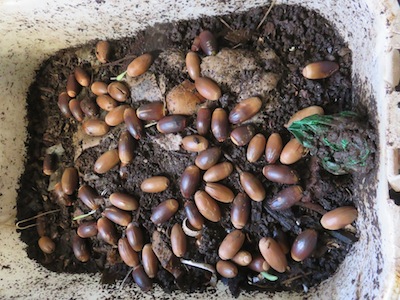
[
  {"x": 252, "y": 186},
  {"x": 208, "y": 158},
  {"x": 208, "y": 43},
  {"x": 273, "y": 148},
  {"x": 272, "y": 253},
  {"x": 304, "y": 245},
  {"x": 286, "y": 198},
  {"x": 207, "y": 206},
  {"x": 339, "y": 217},
  {"x": 190, "y": 180},
  {"x": 231, "y": 244},
  {"x": 245, "y": 110},
  {"x": 220, "y": 124},
  {"x": 240, "y": 210},
  {"x": 193, "y": 65},
  {"x": 320, "y": 69},
  {"x": 256, "y": 147},
  {"x": 164, "y": 211},
  {"x": 208, "y": 88},
  {"x": 139, "y": 65}
]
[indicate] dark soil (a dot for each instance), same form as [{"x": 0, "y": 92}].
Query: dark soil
[{"x": 297, "y": 36}]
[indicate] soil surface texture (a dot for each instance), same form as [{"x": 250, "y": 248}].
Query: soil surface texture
[{"x": 265, "y": 62}]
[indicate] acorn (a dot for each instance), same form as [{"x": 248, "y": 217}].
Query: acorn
[
  {"x": 320, "y": 69},
  {"x": 119, "y": 91},
  {"x": 155, "y": 184},
  {"x": 81, "y": 76},
  {"x": 153, "y": 111},
  {"x": 95, "y": 127},
  {"x": 280, "y": 174},
  {"x": 203, "y": 120},
  {"x": 339, "y": 217},
  {"x": 240, "y": 210},
  {"x": 49, "y": 163},
  {"x": 242, "y": 135},
  {"x": 63, "y": 104},
  {"x": 171, "y": 124},
  {"x": 286, "y": 198},
  {"x": 231, "y": 244},
  {"x": 242, "y": 258},
  {"x": 139, "y": 65},
  {"x": 273, "y": 148},
  {"x": 219, "y": 192},
  {"x": 208, "y": 158},
  {"x": 194, "y": 143},
  {"x": 273, "y": 255},
  {"x": 292, "y": 152},
  {"x": 256, "y": 147},
  {"x": 89, "y": 107},
  {"x": 73, "y": 87},
  {"x": 220, "y": 125},
  {"x": 107, "y": 231},
  {"x": 245, "y": 110},
  {"x": 69, "y": 180},
  {"x": 208, "y": 88},
  {"x": 117, "y": 215},
  {"x": 190, "y": 180},
  {"x": 252, "y": 186},
  {"x": 126, "y": 147},
  {"x": 227, "y": 269},
  {"x": 103, "y": 51},
  {"x": 164, "y": 211},
  {"x": 208, "y": 43},
  {"x": 76, "y": 110},
  {"x": 80, "y": 249},
  {"x": 99, "y": 88},
  {"x": 106, "y": 161},
  {"x": 304, "y": 245},
  {"x": 258, "y": 264},
  {"x": 47, "y": 245},
  {"x": 218, "y": 172},
  {"x": 193, "y": 65},
  {"x": 178, "y": 240},
  {"x": 124, "y": 201},
  {"x": 141, "y": 279},
  {"x": 193, "y": 215},
  {"x": 304, "y": 113},
  {"x": 133, "y": 124},
  {"x": 128, "y": 255},
  {"x": 87, "y": 229},
  {"x": 149, "y": 261},
  {"x": 207, "y": 206},
  {"x": 106, "y": 102},
  {"x": 89, "y": 197},
  {"x": 135, "y": 237}
]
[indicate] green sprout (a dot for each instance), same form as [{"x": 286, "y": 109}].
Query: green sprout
[
  {"x": 84, "y": 215},
  {"x": 338, "y": 140},
  {"x": 269, "y": 277},
  {"x": 119, "y": 77}
]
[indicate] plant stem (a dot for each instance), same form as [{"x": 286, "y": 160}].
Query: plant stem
[{"x": 84, "y": 215}]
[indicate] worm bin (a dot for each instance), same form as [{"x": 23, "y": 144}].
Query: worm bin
[{"x": 206, "y": 149}]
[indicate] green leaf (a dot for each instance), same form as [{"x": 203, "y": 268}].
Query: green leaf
[{"x": 323, "y": 134}]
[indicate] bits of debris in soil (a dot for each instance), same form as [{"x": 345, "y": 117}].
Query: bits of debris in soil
[{"x": 139, "y": 186}]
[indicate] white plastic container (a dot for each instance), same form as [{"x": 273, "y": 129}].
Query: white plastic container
[{"x": 33, "y": 30}]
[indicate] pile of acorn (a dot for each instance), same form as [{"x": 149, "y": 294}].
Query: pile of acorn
[{"x": 110, "y": 98}]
